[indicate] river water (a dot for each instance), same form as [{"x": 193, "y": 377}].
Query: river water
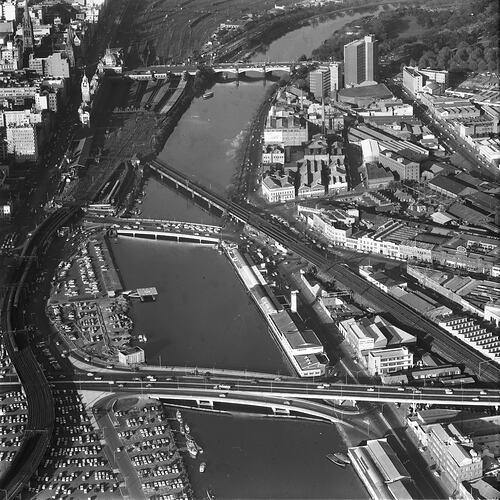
[
  {"x": 304, "y": 40},
  {"x": 203, "y": 316}
]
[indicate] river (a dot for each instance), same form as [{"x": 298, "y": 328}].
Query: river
[
  {"x": 304, "y": 40},
  {"x": 203, "y": 317}
]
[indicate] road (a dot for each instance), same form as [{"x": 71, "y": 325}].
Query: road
[{"x": 289, "y": 388}]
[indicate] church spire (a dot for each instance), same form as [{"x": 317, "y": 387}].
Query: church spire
[{"x": 28, "y": 38}]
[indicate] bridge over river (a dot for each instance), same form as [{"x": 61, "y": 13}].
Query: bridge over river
[
  {"x": 158, "y": 229},
  {"x": 235, "y": 70}
]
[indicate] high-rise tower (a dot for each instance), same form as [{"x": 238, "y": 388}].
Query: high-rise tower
[{"x": 361, "y": 61}]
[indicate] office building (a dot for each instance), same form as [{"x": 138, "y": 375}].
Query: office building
[
  {"x": 384, "y": 361},
  {"x": 418, "y": 81},
  {"x": 336, "y": 76},
  {"x": 319, "y": 82},
  {"x": 405, "y": 169},
  {"x": 22, "y": 142},
  {"x": 453, "y": 453},
  {"x": 361, "y": 61}
]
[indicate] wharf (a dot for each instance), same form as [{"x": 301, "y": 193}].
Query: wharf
[{"x": 101, "y": 255}]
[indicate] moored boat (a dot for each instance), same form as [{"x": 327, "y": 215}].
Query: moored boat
[
  {"x": 335, "y": 460},
  {"x": 208, "y": 95},
  {"x": 203, "y": 465},
  {"x": 191, "y": 447},
  {"x": 342, "y": 457}
]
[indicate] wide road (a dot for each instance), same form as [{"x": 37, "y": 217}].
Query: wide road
[{"x": 442, "y": 342}]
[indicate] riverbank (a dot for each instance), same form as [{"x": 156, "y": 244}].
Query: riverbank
[{"x": 248, "y": 157}]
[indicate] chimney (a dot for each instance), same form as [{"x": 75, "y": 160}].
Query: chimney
[{"x": 293, "y": 300}]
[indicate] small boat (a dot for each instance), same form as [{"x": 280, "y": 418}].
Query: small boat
[
  {"x": 203, "y": 465},
  {"x": 342, "y": 457},
  {"x": 335, "y": 460},
  {"x": 191, "y": 447},
  {"x": 208, "y": 95},
  {"x": 178, "y": 416},
  {"x": 186, "y": 427}
]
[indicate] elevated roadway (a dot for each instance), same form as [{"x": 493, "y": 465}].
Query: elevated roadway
[
  {"x": 219, "y": 389},
  {"x": 447, "y": 345}
]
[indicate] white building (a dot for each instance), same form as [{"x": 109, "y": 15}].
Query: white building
[
  {"x": 489, "y": 149},
  {"x": 336, "y": 75},
  {"x": 302, "y": 346},
  {"x": 284, "y": 128},
  {"x": 384, "y": 361},
  {"x": 131, "y": 356},
  {"x": 22, "y": 142},
  {"x": 85, "y": 88},
  {"x": 9, "y": 10},
  {"x": 277, "y": 189},
  {"x": 273, "y": 154},
  {"x": 370, "y": 149}
]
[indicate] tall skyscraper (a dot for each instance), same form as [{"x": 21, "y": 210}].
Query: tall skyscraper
[
  {"x": 361, "y": 61},
  {"x": 336, "y": 75},
  {"x": 319, "y": 82}
]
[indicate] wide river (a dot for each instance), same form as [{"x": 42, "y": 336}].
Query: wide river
[{"x": 203, "y": 316}]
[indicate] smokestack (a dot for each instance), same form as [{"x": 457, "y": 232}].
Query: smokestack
[{"x": 293, "y": 300}]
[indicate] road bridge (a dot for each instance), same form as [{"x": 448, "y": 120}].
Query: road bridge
[
  {"x": 219, "y": 389},
  {"x": 260, "y": 69},
  {"x": 450, "y": 347},
  {"x": 156, "y": 229}
]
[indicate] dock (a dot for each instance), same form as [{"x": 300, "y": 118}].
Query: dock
[{"x": 144, "y": 294}]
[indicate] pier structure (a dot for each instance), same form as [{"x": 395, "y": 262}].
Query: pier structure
[{"x": 142, "y": 294}]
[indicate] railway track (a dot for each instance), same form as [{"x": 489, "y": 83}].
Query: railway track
[{"x": 41, "y": 412}]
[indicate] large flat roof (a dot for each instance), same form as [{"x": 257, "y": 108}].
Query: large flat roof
[
  {"x": 296, "y": 338},
  {"x": 378, "y": 91},
  {"x": 386, "y": 459}
]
